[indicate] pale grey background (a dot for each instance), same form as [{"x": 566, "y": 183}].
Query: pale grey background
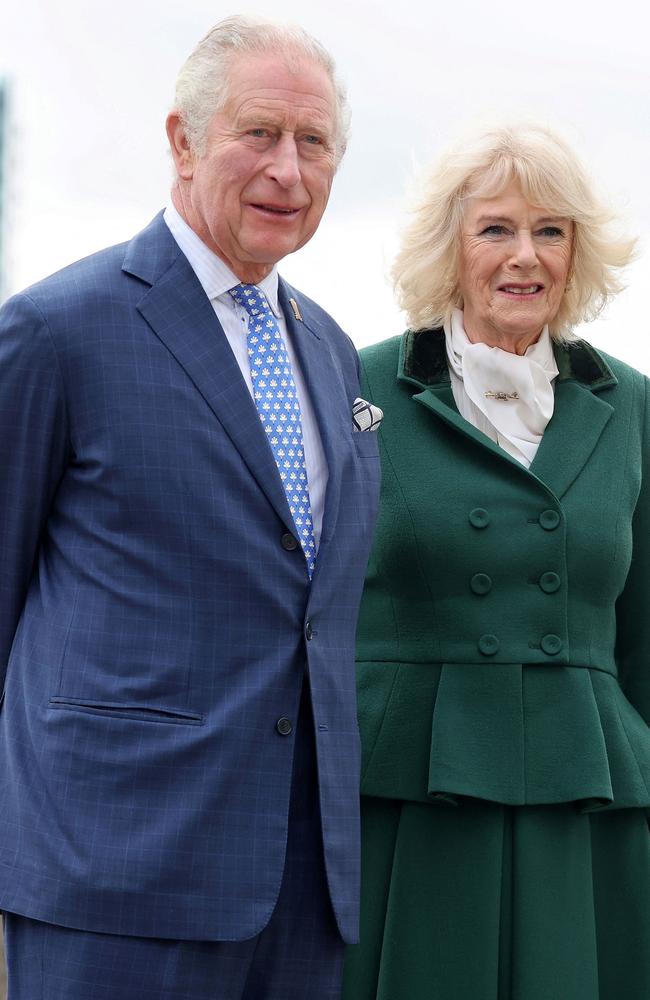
[{"x": 92, "y": 82}]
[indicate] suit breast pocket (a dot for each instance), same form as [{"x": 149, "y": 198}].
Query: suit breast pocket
[
  {"x": 366, "y": 473},
  {"x": 366, "y": 443}
]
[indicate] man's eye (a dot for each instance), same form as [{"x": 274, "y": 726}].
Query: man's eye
[
  {"x": 258, "y": 133},
  {"x": 313, "y": 140}
]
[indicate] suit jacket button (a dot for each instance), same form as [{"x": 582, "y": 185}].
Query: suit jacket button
[
  {"x": 289, "y": 542},
  {"x": 481, "y": 583},
  {"x": 549, "y": 519},
  {"x": 479, "y": 517},
  {"x": 308, "y": 631},
  {"x": 549, "y": 582},
  {"x": 551, "y": 644},
  {"x": 284, "y": 727},
  {"x": 488, "y": 645}
]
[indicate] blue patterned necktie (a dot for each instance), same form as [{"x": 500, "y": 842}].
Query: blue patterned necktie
[{"x": 277, "y": 403}]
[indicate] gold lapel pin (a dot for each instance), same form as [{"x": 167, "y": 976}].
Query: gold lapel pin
[{"x": 296, "y": 310}]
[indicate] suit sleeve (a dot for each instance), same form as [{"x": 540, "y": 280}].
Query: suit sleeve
[
  {"x": 33, "y": 451},
  {"x": 633, "y": 606}
]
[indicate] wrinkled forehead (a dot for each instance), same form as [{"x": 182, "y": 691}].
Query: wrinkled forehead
[{"x": 288, "y": 74}]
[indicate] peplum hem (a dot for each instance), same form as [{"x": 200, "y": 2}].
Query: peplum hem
[{"x": 507, "y": 733}]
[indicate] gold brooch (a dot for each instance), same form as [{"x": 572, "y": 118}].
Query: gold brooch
[{"x": 502, "y": 395}]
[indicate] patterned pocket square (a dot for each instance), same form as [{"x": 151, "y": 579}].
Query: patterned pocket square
[{"x": 365, "y": 416}]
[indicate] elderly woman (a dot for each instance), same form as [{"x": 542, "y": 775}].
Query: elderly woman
[{"x": 504, "y": 639}]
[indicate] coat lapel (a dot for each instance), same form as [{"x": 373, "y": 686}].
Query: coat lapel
[
  {"x": 579, "y": 418},
  {"x": 579, "y": 415},
  {"x": 441, "y": 401},
  {"x": 423, "y": 363},
  {"x": 326, "y": 390},
  {"x": 181, "y": 315}
]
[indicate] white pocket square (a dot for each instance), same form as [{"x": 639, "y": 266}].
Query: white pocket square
[{"x": 366, "y": 416}]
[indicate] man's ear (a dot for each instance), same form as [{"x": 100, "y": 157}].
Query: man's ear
[{"x": 180, "y": 147}]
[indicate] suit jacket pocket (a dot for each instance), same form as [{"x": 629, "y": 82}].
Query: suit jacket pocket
[{"x": 140, "y": 713}]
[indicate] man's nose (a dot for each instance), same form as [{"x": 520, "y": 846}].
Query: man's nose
[{"x": 284, "y": 165}]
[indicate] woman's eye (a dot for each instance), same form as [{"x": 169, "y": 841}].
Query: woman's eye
[
  {"x": 494, "y": 230},
  {"x": 553, "y": 231}
]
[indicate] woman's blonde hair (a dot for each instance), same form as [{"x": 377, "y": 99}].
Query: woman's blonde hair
[{"x": 550, "y": 176}]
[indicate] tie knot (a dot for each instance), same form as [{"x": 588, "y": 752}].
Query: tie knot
[{"x": 251, "y": 298}]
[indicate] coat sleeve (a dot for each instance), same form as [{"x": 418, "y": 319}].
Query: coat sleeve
[
  {"x": 633, "y": 606},
  {"x": 33, "y": 451}
]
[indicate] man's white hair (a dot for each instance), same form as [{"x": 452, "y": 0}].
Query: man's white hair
[{"x": 202, "y": 84}]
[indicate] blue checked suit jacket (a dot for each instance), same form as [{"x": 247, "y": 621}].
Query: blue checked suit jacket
[{"x": 152, "y": 624}]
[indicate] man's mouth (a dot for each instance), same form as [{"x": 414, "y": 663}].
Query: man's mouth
[{"x": 275, "y": 209}]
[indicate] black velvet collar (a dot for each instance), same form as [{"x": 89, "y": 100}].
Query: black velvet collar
[{"x": 423, "y": 360}]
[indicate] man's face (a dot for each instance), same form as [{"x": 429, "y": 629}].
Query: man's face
[{"x": 258, "y": 191}]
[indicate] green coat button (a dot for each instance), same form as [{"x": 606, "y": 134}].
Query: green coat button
[
  {"x": 549, "y": 519},
  {"x": 479, "y": 517},
  {"x": 549, "y": 582},
  {"x": 551, "y": 644},
  {"x": 481, "y": 583},
  {"x": 488, "y": 645}
]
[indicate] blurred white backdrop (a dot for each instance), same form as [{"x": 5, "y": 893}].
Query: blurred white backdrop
[{"x": 91, "y": 83}]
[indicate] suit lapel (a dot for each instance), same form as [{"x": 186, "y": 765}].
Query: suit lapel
[
  {"x": 326, "y": 390},
  {"x": 181, "y": 315}
]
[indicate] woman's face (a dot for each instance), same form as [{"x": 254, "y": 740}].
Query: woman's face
[{"x": 513, "y": 269}]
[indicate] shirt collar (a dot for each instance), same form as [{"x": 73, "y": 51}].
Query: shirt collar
[{"x": 213, "y": 273}]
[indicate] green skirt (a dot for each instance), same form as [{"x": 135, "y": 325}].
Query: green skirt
[{"x": 482, "y": 901}]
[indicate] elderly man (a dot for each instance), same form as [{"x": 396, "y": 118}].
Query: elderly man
[{"x": 186, "y": 506}]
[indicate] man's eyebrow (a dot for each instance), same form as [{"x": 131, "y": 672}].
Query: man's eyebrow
[
  {"x": 263, "y": 120},
  {"x": 249, "y": 119}
]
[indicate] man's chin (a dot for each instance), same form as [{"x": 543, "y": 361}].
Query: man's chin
[{"x": 270, "y": 252}]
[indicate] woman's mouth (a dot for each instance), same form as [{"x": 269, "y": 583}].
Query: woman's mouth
[{"x": 521, "y": 290}]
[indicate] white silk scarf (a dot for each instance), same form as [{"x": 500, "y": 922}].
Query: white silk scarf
[{"x": 480, "y": 378}]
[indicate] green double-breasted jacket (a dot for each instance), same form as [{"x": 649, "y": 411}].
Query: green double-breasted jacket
[{"x": 504, "y": 635}]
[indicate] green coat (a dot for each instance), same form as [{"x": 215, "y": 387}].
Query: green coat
[
  {"x": 504, "y": 635},
  {"x": 504, "y": 694}
]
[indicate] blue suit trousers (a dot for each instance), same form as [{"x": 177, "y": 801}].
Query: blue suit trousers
[{"x": 298, "y": 955}]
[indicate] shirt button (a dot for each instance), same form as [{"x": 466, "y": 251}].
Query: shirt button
[
  {"x": 551, "y": 644},
  {"x": 549, "y": 519},
  {"x": 549, "y": 582},
  {"x": 479, "y": 517},
  {"x": 488, "y": 645},
  {"x": 288, "y": 542},
  {"x": 284, "y": 727},
  {"x": 308, "y": 631},
  {"x": 481, "y": 583}
]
